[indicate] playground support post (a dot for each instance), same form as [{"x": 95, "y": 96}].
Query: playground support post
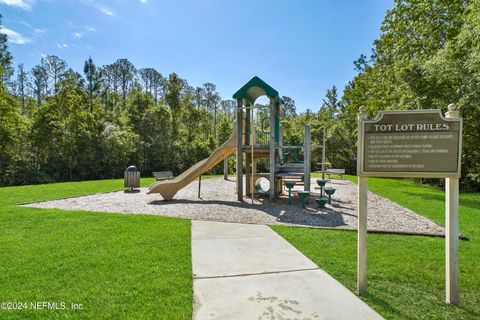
[
  {"x": 248, "y": 175},
  {"x": 280, "y": 143},
  {"x": 239, "y": 151},
  {"x": 250, "y": 164},
  {"x": 248, "y": 134},
  {"x": 272, "y": 148},
  {"x": 306, "y": 159}
]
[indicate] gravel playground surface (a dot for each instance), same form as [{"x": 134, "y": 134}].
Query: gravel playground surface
[{"x": 218, "y": 203}]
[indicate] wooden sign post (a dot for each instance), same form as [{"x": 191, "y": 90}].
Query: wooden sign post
[{"x": 411, "y": 143}]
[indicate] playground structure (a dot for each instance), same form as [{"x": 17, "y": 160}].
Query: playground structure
[
  {"x": 269, "y": 147},
  {"x": 254, "y": 139}
]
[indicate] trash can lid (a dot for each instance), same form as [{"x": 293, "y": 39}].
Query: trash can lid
[{"x": 132, "y": 168}]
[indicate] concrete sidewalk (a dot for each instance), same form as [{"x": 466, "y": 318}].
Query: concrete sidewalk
[{"x": 245, "y": 272}]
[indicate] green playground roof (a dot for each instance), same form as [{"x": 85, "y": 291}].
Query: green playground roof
[{"x": 255, "y": 88}]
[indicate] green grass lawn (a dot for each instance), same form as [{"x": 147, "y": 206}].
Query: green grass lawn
[
  {"x": 405, "y": 273},
  {"x": 115, "y": 265},
  {"x": 139, "y": 266}
]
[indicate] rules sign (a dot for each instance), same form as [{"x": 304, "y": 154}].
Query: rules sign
[{"x": 411, "y": 143}]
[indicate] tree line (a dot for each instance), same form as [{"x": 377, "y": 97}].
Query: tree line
[
  {"x": 60, "y": 125},
  {"x": 427, "y": 56}
]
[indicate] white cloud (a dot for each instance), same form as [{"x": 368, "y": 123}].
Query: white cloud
[
  {"x": 70, "y": 24},
  {"x": 22, "y": 4},
  {"x": 79, "y": 34},
  {"x": 143, "y": 1},
  {"x": 105, "y": 10},
  {"x": 14, "y": 37},
  {"x": 61, "y": 45},
  {"x": 35, "y": 30}
]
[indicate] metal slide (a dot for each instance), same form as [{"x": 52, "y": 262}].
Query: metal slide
[{"x": 169, "y": 188}]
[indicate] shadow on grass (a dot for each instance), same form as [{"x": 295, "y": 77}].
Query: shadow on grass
[
  {"x": 470, "y": 203},
  {"x": 474, "y": 314},
  {"x": 385, "y": 306}
]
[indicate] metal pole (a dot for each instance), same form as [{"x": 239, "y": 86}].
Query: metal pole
[
  {"x": 225, "y": 168},
  {"x": 323, "y": 155},
  {"x": 199, "y": 186},
  {"x": 306, "y": 160}
]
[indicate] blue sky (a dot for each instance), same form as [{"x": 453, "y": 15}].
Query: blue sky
[{"x": 300, "y": 47}]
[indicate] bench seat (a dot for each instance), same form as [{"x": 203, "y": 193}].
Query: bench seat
[
  {"x": 163, "y": 175},
  {"x": 339, "y": 172}
]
